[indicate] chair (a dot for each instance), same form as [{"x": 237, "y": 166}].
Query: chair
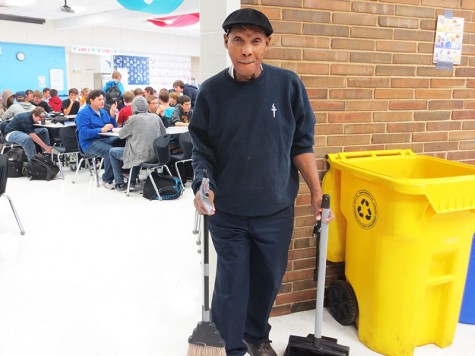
[
  {"x": 185, "y": 156},
  {"x": 162, "y": 154},
  {"x": 3, "y": 186},
  {"x": 70, "y": 145},
  {"x": 86, "y": 157}
]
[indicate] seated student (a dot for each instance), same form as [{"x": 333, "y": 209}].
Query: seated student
[
  {"x": 46, "y": 94},
  {"x": 164, "y": 109},
  {"x": 90, "y": 122},
  {"x": 140, "y": 130},
  {"x": 8, "y": 98},
  {"x": 152, "y": 102},
  {"x": 126, "y": 111},
  {"x": 138, "y": 92},
  {"x": 70, "y": 106},
  {"x": 84, "y": 94},
  {"x": 148, "y": 91},
  {"x": 20, "y": 130},
  {"x": 173, "y": 99},
  {"x": 38, "y": 101},
  {"x": 183, "y": 113},
  {"x": 29, "y": 95},
  {"x": 20, "y": 106},
  {"x": 55, "y": 101}
]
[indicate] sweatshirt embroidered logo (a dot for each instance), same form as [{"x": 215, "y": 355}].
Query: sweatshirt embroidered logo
[{"x": 273, "y": 110}]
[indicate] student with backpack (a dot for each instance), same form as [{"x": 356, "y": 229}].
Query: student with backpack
[{"x": 114, "y": 91}]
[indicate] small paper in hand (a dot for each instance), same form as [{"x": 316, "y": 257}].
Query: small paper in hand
[{"x": 204, "y": 189}]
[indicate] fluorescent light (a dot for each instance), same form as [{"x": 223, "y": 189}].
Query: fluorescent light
[
  {"x": 20, "y": 2},
  {"x": 35, "y": 20}
]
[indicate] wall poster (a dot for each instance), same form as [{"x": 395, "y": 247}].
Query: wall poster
[
  {"x": 56, "y": 78},
  {"x": 448, "y": 40}
]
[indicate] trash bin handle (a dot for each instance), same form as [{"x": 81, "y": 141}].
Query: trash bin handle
[{"x": 367, "y": 154}]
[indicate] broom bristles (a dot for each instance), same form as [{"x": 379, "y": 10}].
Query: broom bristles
[{"x": 199, "y": 350}]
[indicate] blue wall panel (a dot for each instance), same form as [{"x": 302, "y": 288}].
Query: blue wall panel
[{"x": 21, "y": 75}]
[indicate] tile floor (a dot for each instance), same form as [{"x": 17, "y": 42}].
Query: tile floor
[{"x": 100, "y": 274}]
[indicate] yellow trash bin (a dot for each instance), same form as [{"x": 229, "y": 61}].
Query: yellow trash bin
[{"x": 408, "y": 222}]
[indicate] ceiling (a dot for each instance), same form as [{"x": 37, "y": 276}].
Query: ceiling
[{"x": 96, "y": 13}]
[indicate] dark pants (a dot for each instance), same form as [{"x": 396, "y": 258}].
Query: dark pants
[{"x": 252, "y": 259}]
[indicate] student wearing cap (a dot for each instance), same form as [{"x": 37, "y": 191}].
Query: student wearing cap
[
  {"x": 253, "y": 156},
  {"x": 20, "y": 106},
  {"x": 21, "y": 131}
]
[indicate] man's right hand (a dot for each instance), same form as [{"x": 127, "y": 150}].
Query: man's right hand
[
  {"x": 48, "y": 149},
  {"x": 201, "y": 206},
  {"x": 107, "y": 127}
]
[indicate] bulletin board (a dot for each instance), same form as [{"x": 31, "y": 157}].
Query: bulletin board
[{"x": 138, "y": 71}]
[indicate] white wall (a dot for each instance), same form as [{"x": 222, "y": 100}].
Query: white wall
[{"x": 125, "y": 41}]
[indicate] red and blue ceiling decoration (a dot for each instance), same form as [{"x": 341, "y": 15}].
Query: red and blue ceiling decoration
[{"x": 162, "y": 7}]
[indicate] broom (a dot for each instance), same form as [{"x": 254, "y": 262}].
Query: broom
[
  {"x": 205, "y": 339},
  {"x": 316, "y": 344}
]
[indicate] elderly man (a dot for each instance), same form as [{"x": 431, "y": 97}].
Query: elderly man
[
  {"x": 253, "y": 155},
  {"x": 21, "y": 131},
  {"x": 140, "y": 130}
]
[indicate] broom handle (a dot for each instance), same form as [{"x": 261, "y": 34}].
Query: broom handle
[
  {"x": 322, "y": 266},
  {"x": 204, "y": 189},
  {"x": 206, "y": 312}
]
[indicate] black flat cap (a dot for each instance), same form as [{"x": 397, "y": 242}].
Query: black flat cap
[{"x": 248, "y": 17}]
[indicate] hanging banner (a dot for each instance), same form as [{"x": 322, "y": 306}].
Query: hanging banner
[
  {"x": 448, "y": 40},
  {"x": 93, "y": 50}
]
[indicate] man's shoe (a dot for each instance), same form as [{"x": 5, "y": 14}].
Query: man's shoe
[
  {"x": 263, "y": 349},
  {"x": 121, "y": 187},
  {"x": 108, "y": 185}
]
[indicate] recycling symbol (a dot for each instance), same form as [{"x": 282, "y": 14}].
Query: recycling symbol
[{"x": 365, "y": 209}]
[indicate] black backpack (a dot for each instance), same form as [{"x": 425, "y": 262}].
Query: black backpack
[
  {"x": 168, "y": 187},
  {"x": 40, "y": 167},
  {"x": 113, "y": 95},
  {"x": 16, "y": 157}
]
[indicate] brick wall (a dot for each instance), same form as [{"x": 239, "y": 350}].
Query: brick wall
[{"x": 367, "y": 67}]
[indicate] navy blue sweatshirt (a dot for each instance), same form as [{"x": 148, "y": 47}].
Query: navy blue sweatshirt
[{"x": 245, "y": 135}]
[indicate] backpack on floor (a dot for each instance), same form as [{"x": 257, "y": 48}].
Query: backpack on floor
[
  {"x": 40, "y": 167},
  {"x": 168, "y": 187},
  {"x": 16, "y": 157}
]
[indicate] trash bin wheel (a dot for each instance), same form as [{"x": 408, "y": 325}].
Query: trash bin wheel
[{"x": 342, "y": 302}]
